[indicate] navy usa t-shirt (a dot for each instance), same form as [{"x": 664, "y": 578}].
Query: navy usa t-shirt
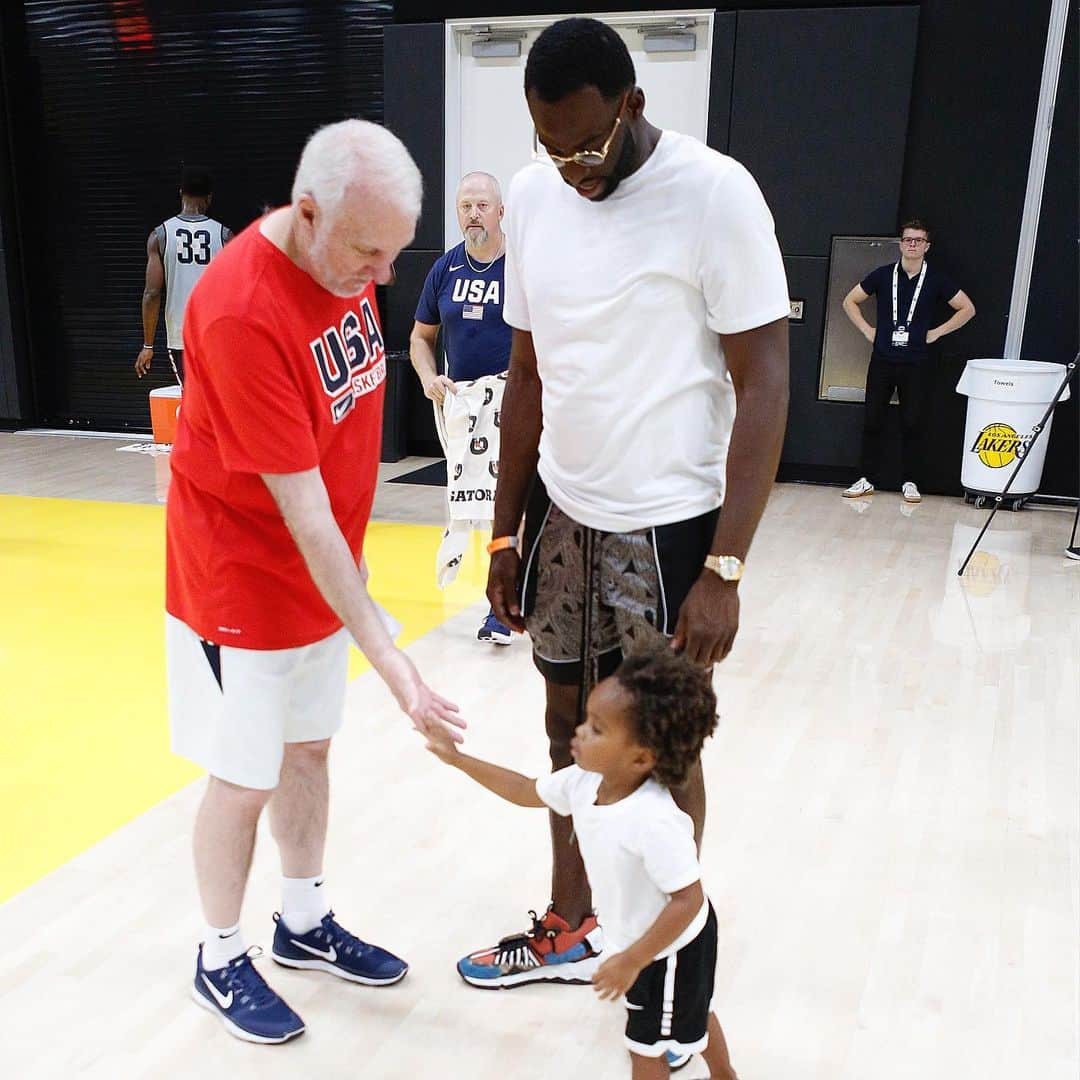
[
  {"x": 938, "y": 289},
  {"x": 469, "y": 305}
]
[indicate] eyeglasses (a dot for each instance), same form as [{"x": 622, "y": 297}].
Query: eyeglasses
[
  {"x": 590, "y": 159},
  {"x": 916, "y": 240}
]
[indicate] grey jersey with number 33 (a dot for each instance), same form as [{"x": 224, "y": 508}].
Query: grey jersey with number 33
[{"x": 187, "y": 244}]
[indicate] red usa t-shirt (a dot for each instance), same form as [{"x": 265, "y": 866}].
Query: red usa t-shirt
[{"x": 281, "y": 376}]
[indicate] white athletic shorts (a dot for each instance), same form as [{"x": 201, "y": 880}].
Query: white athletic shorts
[{"x": 233, "y": 710}]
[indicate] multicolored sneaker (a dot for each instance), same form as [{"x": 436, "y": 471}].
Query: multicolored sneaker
[
  {"x": 549, "y": 952},
  {"x": 330, "y": 947},
  {"x": 493, "y": 632},
  {"x": 247, "y": 1007}
]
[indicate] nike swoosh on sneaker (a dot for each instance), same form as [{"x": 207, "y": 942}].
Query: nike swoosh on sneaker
[
  {"x": 330, "y": 954},
  {"x": 458, "y": 267},
  {"x": 224, "y": 1000}
]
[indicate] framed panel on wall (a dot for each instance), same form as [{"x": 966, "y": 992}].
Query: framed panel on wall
[{"x": 845, "y": 353}]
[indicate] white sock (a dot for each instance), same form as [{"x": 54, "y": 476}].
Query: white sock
[
  {"x": 222, "y": 945},
  {"x": 303, "y": 903}
]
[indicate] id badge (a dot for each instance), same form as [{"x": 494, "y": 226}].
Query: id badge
[{"x": 900, "y": 337}]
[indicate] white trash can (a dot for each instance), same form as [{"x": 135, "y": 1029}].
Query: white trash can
[{"x": 1006, "y": 399}]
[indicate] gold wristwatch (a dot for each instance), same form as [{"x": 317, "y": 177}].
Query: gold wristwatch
[{"x": 729, "y": 567}]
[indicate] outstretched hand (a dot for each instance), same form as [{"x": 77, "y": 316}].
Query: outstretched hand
[
  {"x": 429, "y": 712},
  {"x": 441, "y": 743}
]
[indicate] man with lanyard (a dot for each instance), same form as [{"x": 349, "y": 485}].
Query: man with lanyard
[
  {"x": 463, "y": 293},
  {"x": 908, "y": 295},
  {"x": 647, "y": 297}
]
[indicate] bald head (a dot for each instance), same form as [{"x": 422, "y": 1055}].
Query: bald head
[
  {"x": 481, "y": 182},
  {"x": 480, "y": 211}
]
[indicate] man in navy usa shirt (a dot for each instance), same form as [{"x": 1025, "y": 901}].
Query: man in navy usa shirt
[
  {"x": 463, "y": 294},
  {"x": 910, "y": 295}
]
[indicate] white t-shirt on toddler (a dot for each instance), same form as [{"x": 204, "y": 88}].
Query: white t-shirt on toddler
[{"x": 637, "y": 852}]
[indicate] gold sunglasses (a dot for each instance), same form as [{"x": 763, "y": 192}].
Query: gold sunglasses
[{"x": 589, "y": 159}]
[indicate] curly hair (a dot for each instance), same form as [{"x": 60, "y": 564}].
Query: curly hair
[{"x": 673, "y": 708}]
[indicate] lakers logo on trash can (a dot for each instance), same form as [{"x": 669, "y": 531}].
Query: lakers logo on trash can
[{"x": 999, "y": 445}]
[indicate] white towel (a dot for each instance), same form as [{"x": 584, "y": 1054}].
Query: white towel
[{"x": 468, "y": 427}]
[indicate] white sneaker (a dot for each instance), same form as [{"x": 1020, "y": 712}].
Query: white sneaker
[
  {"x": 861, "y": 487},
  {"x": 911, "y": 492}
]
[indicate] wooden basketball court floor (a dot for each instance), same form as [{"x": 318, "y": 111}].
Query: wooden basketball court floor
[{"x": 893, "y": 823}]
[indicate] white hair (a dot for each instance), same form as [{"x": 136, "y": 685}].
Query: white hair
[
  {"x": 483, "y": 176},
  {"x": 357, "y": 152}
]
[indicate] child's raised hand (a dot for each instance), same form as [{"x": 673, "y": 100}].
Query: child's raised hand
[
  {"x": 615, "y": 976},
  {"x": 440, "y": 742}
]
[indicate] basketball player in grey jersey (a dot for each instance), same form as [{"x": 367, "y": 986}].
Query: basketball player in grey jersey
[{"x": 178, "y": 251}]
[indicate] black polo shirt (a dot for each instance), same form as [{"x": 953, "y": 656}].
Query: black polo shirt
[{"x": 938, "y": 289}]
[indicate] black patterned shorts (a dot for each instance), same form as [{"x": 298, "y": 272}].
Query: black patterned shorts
[{"x": 638, "y": 581}]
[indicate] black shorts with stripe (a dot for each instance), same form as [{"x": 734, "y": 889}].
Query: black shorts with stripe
[
  {"x": 668, "y": 1006},
  {"x": 624, "y": 585}
]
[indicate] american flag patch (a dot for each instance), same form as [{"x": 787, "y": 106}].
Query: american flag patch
[{"x": 472, "y": 311}]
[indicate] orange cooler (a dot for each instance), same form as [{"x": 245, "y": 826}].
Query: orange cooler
[{"x": 164, "y": 407}]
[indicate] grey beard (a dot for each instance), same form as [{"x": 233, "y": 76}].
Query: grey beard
[{"x": 474, "y": 245}]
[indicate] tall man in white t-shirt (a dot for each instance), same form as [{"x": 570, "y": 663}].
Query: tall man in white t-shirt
[{"x": 647, "y": 296}]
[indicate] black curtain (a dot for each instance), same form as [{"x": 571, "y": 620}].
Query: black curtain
[{"x": 116, "y": 96}]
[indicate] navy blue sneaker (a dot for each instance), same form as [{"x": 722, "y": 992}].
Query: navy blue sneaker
[
  {"x": 329, "y": 947},
  {"x": 248, "y": 1008},
  {"x": 493, "y": 632}
]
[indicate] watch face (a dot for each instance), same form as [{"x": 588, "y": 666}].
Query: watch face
[{"x": 727, "y": 566}]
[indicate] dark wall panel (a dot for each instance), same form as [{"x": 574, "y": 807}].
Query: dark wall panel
[
  {"x": 399, "y": 307},
  {"x": 413, "y": 63},
  {"x": 822, "y": 438},
  {"x": 718, "y": 128},
  {"x": 412, "y": 269},
  {"x": 128, "y": 93},
  {"x": 17, "y": 117},
  {"x": 819, "y": 116}
]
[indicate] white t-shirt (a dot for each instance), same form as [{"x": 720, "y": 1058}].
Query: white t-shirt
[
  {"x": 637, "y": 852},
  {"x": 624, "y": 299}
]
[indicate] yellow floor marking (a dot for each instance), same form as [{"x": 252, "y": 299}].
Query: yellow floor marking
[{"x": 83, "y": 719}]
